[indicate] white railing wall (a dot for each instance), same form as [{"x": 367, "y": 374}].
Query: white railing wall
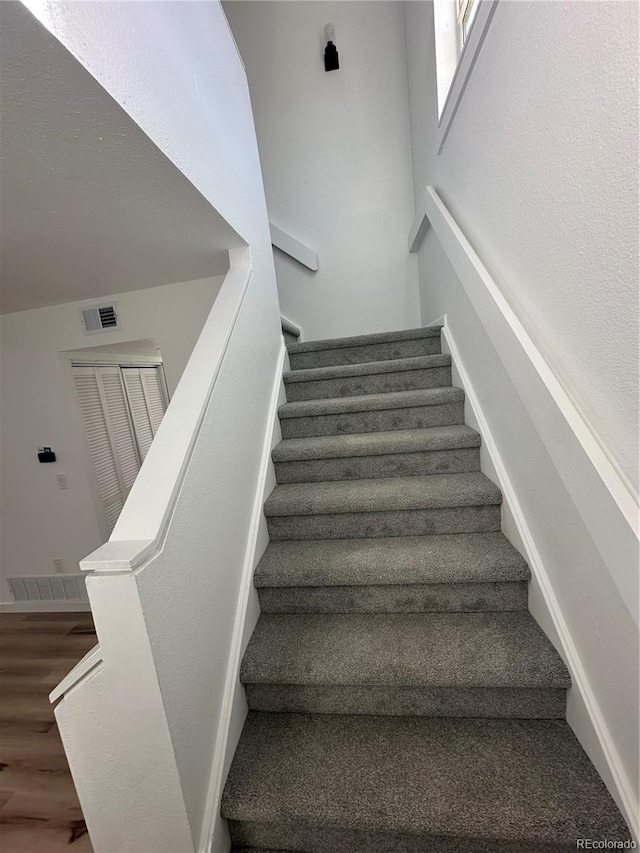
[
  {"x": 567, "y": 506},
  {"x": 145, "y": 716}
]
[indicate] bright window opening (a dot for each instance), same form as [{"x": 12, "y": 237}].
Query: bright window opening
[{"x": 459, "y": 27}]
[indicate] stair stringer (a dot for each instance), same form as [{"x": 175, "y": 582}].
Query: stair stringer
[{"x": 584, "y": 714}]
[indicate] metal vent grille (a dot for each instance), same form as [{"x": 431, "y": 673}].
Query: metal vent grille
[
  {"x": 108, "y": 316},
  {"x": 100, "y": 318},
  {"x": 49, "y": 588}
]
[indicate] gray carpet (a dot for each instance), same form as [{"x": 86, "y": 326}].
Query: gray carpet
[
  {"x": 430, "y": 371},
  {"x": 403, "y": 699},
  {"x": 380, "y": 443},
  {"x": 443, "y": 490},
  {"x": 436, "y": 649},
  {"x": 512, "y": 780},
  {"x": 367, "y": 368},
  {"x": 419, "y": 559}
]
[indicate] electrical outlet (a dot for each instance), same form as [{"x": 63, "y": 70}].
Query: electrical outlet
[
  {"x": 62, "y": 481},
  {"x": 58, "y": 567}
]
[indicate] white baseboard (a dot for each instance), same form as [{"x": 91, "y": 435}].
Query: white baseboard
[
  {"x": 586, "y": 707},
  {"x": 211, "y": 823},
  {"x": 44, "y": 606}
]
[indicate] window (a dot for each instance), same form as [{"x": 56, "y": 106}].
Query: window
[
  {"x": 466, "y": 10},
  {"x": 460, "y": 27},
  {"x": 121, "y": 408}
]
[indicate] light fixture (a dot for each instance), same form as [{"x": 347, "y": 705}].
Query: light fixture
[{"x": 331, "y": 62}]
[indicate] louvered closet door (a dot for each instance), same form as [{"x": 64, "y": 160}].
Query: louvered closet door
[
  {"x": 110, "y": 435},
  {"x": 146, "y": 401}
]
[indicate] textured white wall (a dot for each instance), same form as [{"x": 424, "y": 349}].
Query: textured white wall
[
  {"x": 41, "y": 522},
  {"x": 540, "y": 170},
  {"x": 335, "y": 155}
]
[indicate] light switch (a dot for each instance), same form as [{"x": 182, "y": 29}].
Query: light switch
[{"x": 62, "y": 481}]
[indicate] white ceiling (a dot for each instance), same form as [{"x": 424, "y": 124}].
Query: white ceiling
[{"x": 88, "y": 205}]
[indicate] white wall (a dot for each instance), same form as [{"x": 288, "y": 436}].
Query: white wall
[
  {"x": 39, "y": 407},
  {"x": 540, "y": 170},
  {"x": 175, "y": 69},
  {"x": 335, "y": 155}
]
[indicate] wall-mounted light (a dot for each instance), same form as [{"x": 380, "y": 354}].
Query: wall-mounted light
[{"x": 331, "y": 62}]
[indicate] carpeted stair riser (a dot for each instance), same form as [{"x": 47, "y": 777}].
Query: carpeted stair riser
[
  {"x": 519, "y": 703},
  {"x": 466, "y": 519},
  {"x": 371, "y": 467},
  {"x": 391, "y": 598},
  {"x": 418, "y": 417},
  {"x": 310, "y": 838},
  {"x": 410, "y": 348},
  {"x": 379, "y": 383}
]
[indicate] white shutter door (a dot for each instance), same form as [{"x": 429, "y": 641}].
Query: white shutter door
[
  {"x": 126, "y": 454},
  {"x": 102, "y": 455},
  {"x": 139, "y": 411},
  {"x": 154, "y": 393}
]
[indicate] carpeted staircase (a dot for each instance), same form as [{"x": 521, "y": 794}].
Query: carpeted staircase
[{"x": 401, "y": 696}]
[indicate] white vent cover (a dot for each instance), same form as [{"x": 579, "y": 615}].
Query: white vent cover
[
  {"x": 100, "y": 318},
  {"x": 49, "y": 588}
]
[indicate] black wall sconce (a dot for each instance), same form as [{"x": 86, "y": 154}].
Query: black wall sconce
[{"x": 331, "y": 62}]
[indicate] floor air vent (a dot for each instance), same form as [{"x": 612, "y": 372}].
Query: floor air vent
[{"x": 49, "y": 588}]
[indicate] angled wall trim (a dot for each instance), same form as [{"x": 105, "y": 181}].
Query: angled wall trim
[
  {"x": 89, "y": 662},
  {"x": 294, "y": 248},
  {"x": 605, "y": 501}
]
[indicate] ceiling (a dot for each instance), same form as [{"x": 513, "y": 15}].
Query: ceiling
[{"x": 89, "y": 206}]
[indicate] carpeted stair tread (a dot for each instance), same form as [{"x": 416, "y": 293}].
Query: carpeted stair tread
[
  {"x": 458, "y": 558},
  {"x": 392, "y": 494},
  {"x": 376, "y": 443},
  {"x": 371, "y": 402},
  {"x": 408, "y": 650},
  {"x": 365, "y": 340},
  {"x": 511, "y": 780},
  {"x": 367, "y": 368}
]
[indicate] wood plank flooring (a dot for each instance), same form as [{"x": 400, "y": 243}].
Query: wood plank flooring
[{"x": 39, "y": 808}]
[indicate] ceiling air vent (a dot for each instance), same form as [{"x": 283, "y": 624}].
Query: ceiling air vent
[{"x": 100, "y": 318}]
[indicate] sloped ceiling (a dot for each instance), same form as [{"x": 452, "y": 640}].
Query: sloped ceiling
[{"x": 88, "y": 205}]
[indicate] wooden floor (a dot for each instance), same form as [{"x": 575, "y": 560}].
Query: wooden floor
[{"x": 39, "y": 809}]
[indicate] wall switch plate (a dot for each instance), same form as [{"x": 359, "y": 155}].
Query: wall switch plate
[
  {"x": 58, "y": 567},
  {"x": 62, "y": 481}
]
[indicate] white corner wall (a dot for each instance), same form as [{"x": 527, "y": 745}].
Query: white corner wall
[
  {"x": 540, "y": 170},
  {"x": 335, "y": 155},
  {"x": 39, "y": 407}
]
